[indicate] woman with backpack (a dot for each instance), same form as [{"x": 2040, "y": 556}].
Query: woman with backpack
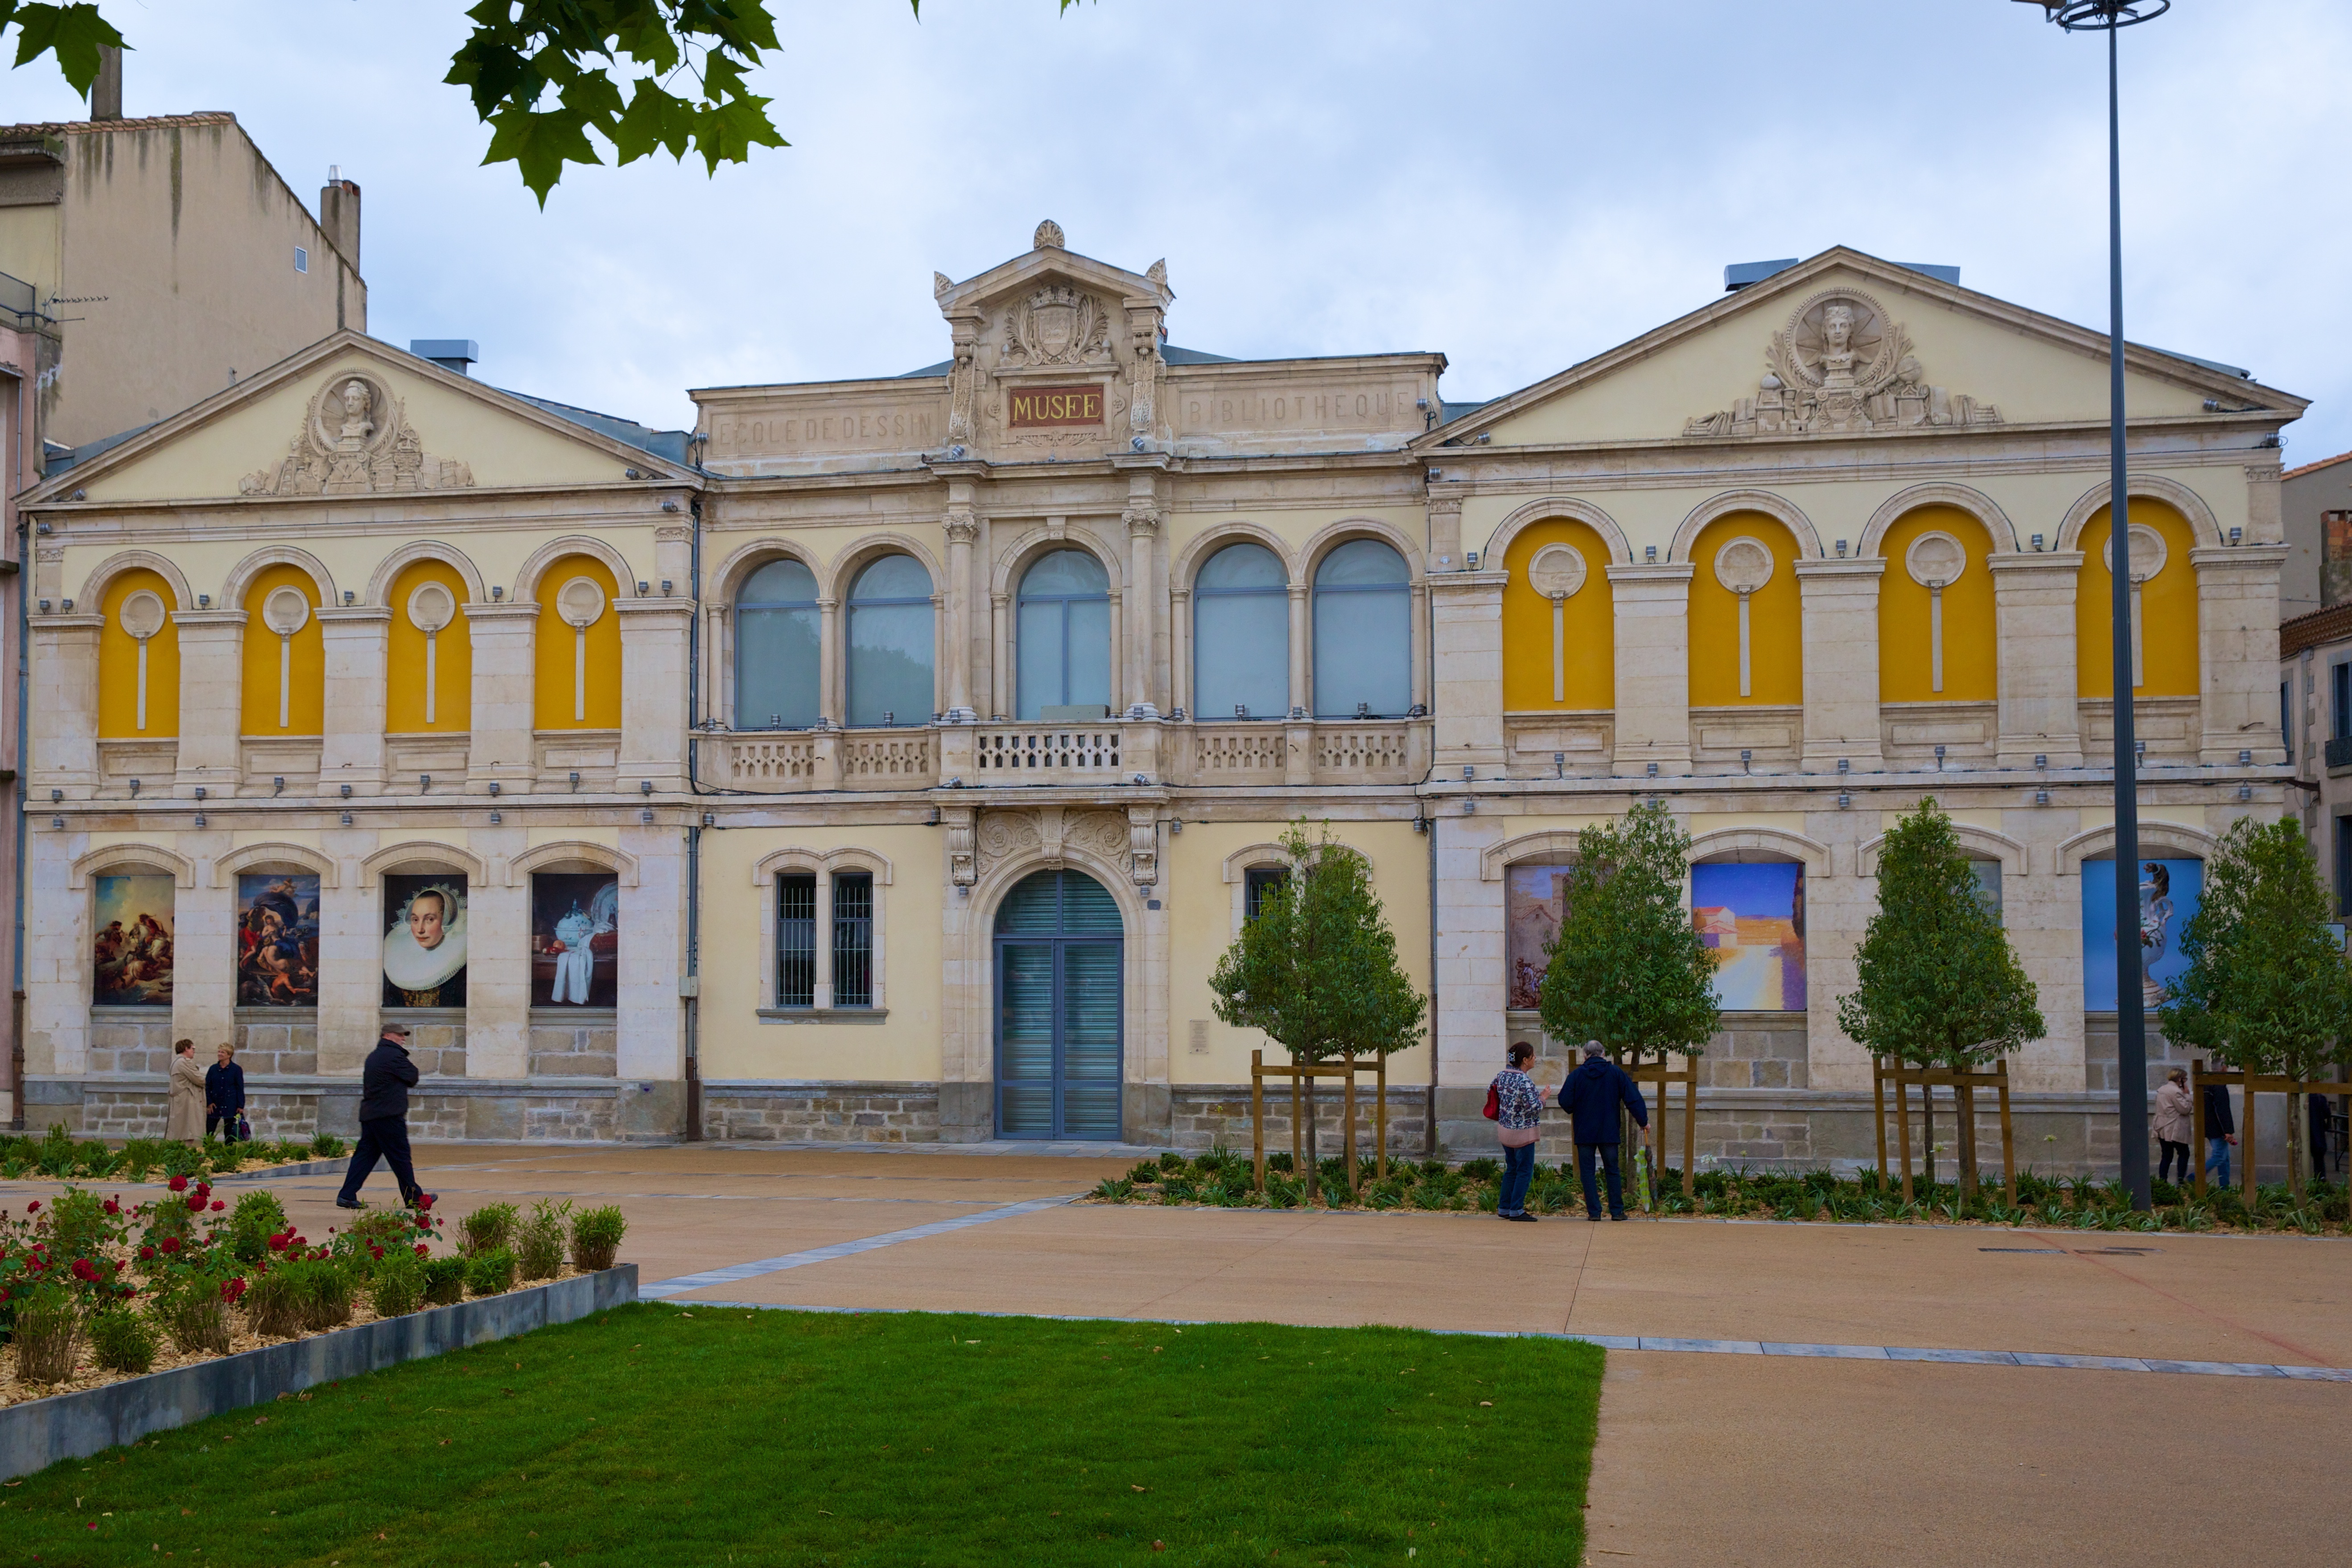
[{"x": 1514, "y": 1107}]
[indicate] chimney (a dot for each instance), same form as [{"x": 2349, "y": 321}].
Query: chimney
[
  {"x": 449, "y": 354},
  {"x": 339, "y": 216},
  {"x": 106, "y": 92}
]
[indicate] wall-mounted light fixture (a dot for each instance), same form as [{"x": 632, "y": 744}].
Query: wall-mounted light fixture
[
  {"x": 2237, "y": 535},
  {"x": 134, "y": 789},
  {"x": 494, "y": 789},
  {"x": 276, "y": 787},
  {"x": 2041, "y": 797},
  {"x": 1654, "y": 771},
  {"x": 199, "y": 792},
  {"x": 347, "y": 819},
  {"x": 1845, "y": 764},
  {"x": 646, "y": 816},
  {"x": 1469, "y": 808},
  {"x": 58, "y": 795},
  {"x": 1844, "y": 800},
  {"x": 1176, "y": 825},
  {"x": 56, "y": 822},
  {"x": 2245, "y": 791},
  {"x": 1940, "y": 759},
  {"x": 575, "y": 783},
  {"x": 424, "y": 784},
  {"x": 2245, "y": 759},
  {"x": 495, "y": 818},
  {"x": 665, "y": 587},
  {"x": 69, "y": 607},
  {"x": 497, "y": 594},
  {"x": 2037, "y": 542},
  {"x": 710, "y": 819},
  {"x": 645, "y": 786},
  {"x": 1650, "y": 554},
  {"x": 642, "y": 592},
  {"x": 203, "y": 601},
  {"x": 2041, "y": 759},
  {"x": 349, "y": 597},
  {"x": 346, "y": 791},
  {"x": 1841, "y": 549}
]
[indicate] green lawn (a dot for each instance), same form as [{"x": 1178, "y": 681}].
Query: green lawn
[{"x": 663, "y": 1435}]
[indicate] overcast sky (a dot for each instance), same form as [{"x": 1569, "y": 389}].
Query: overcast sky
[{"x": 1520, "y": 185}]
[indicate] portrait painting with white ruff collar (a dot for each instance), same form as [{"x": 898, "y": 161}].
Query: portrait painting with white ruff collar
[{"x": 424, "y": 940}]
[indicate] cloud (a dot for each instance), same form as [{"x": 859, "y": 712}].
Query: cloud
[{"x": 1521, "y": 185}]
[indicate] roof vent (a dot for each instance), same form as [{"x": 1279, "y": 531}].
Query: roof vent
[
  {"x": 1740, "y": 274},
  {"x": 449, "y": 354}
]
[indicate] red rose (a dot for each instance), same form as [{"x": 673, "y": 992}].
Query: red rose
[
  {"x": 84, "y": 1270},
  {"x": 112, "y": 1206},
  {"x": 422, "y": 1250},
  {"x": 171, "y": 1244},
  {"x": 195, "y": 1203},
  {"x": 32, "y": 1207},
  {"x": 375, "y": 1252},
  {"x": 278, "y": 1243},
  {"x": 179, "y": 1184}
]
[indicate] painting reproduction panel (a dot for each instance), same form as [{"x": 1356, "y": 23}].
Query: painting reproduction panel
[
  {"x": 277, "y": 938},
  {"x": 1535, "y": 900},
  {"x": 132, "y": 948},
  {"x": 575, "y": 939},
  {"x": 2170, "y": 892},
  {"x": 1751, "y": 918},
  {"x": 425, "y": 940}
]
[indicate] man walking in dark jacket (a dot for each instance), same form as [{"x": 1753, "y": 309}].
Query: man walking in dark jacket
[
  {"x": 2220, "y": 1132},
  {"x": 384, "y": 1084},
  {"x": 1592, "y": 1096}
]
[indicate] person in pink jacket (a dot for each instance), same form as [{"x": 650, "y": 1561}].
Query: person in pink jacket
[{"x": 2172, "y": 1124}]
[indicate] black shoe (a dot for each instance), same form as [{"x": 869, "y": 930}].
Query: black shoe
[
  {"x": 1529, "y": 1217},
  {"x": 1616, "y": 1217},
  {"x": 349, "y": 1203},
  {"x": 1594, "y": 1217}
]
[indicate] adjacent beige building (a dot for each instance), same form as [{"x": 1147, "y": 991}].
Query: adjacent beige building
[{"x": 891, "y": 759}]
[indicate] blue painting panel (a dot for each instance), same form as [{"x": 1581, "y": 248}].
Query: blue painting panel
[{"x": 2170, "y": 893}]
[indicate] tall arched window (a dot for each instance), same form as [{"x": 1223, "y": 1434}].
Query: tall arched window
[
  {"x": 1363, "y": 633},
  {"x": 1747, "y": 636},
  {"x": 139, "y": 659},
  {"x": 285, "y": 655},
  {"x": 776, "y": 627},
  {"x": 2163, "y": 604},
  {"x": 890, "y": 643},
  {"x": 1937, "y": 637},
  {"x": 578, "y": 648},
  {"x": 430, "y": 655},
  {"x": 1241, "y": 635},
  {"x": 1063, "y": 625}
]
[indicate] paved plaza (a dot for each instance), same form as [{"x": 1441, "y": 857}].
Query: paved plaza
[{"x": 1847, "y": 1394}]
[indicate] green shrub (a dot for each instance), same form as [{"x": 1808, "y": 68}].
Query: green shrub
[
  {"x": 538, "y": 1244},
  {"x": 1281, "y": 1161},
  {"x": 596, "y": 1238},
  {"x": 397, "y": 1286},
  {"x": 259, "y": 1216},
  {"x": 275, "y": 1302},
  {"x": 139, "y": 1156},
  {"x": 329, "y": 1289},
  {"x": 1145, "y": 1172},
  {"x": 80, "y": 1225},
  {"x": 187, "y": 1306},
  {"x": 487, "y": 1229},
  {"x": 490, "y": 1273},
  {"x": 1114, "y": 1189},
  {"x": 1172, "y": 1160},
  {"x": 387, "y": 1231},
  {"x": 1482, "y": 1170},
  {"x": 1175, "y": 1191},
  {"x": 1284, "y": 1191},
  {"x": 182, "y": 1160},
  {"x": 122, "y": 1340},
  {"x": 45, "y": 1333},
  {"x": 445, "y": 1280},
  {"x": 326, "y": 1146}
]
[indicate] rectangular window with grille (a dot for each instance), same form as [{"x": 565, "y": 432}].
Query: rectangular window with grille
[
  {"x": 1254, "y": 883},
  {"x": 853, "y": 939},
  {"x": 796, "y": 941}
]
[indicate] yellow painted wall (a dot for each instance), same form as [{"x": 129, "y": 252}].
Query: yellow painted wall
[
  {"x": 1588, "y": 632},
  {"x": 1906, "y": 666},
  {"x": 453, "y": 659},
  {"x": 118, "y": 666},
  {"x": 306, "y": 711},
  {"x": 556, "y": 652},
  {"x": 905, "y": 1047},
  {"x": 1775, "y": 637},
  {"x": 2167, "y": 609}
]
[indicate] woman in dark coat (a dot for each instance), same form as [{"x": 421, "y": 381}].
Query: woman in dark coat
[{"x": 224, "y": 1095}]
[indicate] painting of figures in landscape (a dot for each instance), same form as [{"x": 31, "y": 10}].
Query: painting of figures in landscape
[
  {"x": 1535, "y": 900},
  {"x": 425, "y": 940},
  {"x": 575, "y": 939},
  {"x": 2170, "y": 892},
  {"x": 276, "y": 940},
  {"x": 133, "y": 945},
  {"x": 1751, "y": 917}
]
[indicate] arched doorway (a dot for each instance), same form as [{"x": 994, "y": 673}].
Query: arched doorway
[{"x": 1058, "y": 1015}]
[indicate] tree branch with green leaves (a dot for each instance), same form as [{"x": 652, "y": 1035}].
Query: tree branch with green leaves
[{"x": 1627, "y": 967}]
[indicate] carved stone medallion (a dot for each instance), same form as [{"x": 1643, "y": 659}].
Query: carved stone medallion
[
  {"x": 1743, "y": 565},
  {"x": 1936, "y": 560},
  {"x": 2147, "y": 553},
  {"x": 1057, "y": 324},
  {"x": 1557, "y": 571},
  {"x": 355, "y": 438}
]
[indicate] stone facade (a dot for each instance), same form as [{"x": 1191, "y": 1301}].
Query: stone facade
[{"x": 671, "y": 691}]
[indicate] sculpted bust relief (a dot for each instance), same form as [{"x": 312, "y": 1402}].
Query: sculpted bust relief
[
  {"x": 355, "y": 439},
  {"x": 1841, "y": 365}
]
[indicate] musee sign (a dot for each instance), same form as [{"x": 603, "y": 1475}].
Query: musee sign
[{"x": 1034, "y": 406}]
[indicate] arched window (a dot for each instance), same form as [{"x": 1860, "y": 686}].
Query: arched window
[
  {"x": 1363, "y": 633},
  {"x": 890, "y": 643},
  {"x": 1241, "y": 635},
  {"x": 776, "y": 625},
  {"x": 1559, "y": 623},
  {"x": 139, "y": 659},
  {"x": 285, "y": 655},
  {"x": 1063, "y": 625},
  {"x": 1747, "y": 636},
  {"x": 579, "y": 646},
  {"x": 430, "y": 657},
  {"x": 2163, "y": 605},
  {"x": 1937, "y": 614}
]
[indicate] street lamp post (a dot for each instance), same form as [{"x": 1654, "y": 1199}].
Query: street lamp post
[{"x": 2111, "y": 16}]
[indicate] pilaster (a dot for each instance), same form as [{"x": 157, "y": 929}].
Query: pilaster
[
  {"x": 358, "y": 639},
  {"x": 962, "y": 529},
  {"x": 1466, "y": 635},
  {"x": 1142, "y": 519},
  {"x": 2237, "y": 651},
  {"x": 498, "y": 957},
  {"x": 64, "y": 715},
  {"x": 1840, "y": 620},
  {"x": 502, "y": 750},
  {"x": 1652, "y": 617},
  {"x": 351, "y": 951},
  {"x": 653, "y": 639},
  {"x": 211, "y": 699},
  {"x": 2033, "y": 598},
  {"x": 650, "y": 1031}
]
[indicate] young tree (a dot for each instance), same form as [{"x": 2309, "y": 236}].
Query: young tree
[
  {"x": 1315, "y": 970},
  {"x": 1941, "y": 984},
  {"x": 1627, "y": 967},
  {"x": 2267, "y": 989}
]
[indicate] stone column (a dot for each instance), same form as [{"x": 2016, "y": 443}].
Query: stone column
[
  {"x": 351, "y": 953},
  {"x": 57, "y": 978},
  {"x": 962, "y": 529},
  {"x": 1840, "y": 621},
  {"x": 654, "y": 640},
  {"x": 1180, "y": 654},
  {"x": 1652, "y": 714},
  {"x": 64, "y": 714},
  {"x": 650, "y": 1039},
  {"x": 2238, "y": 651},
  {"x": 212, "y": 700},
  {"x": 358, "y": 639},
  {"x": 1299, "y": 615},
  {"x": 502, "y": 749},
  {"x": 203, "y": 949},
  {"x": 1467, "y": 630},
  {"x": 1000, "y": 674},
  {"x": 831, "y": 685},
  {"x": 498, "y": 961},
  {"x": 1445, "y": 512},
  {"x": 2041, "y": 715},
  {"x": 1142, "y": 519},
  {"x": 1470, "y": 965}
]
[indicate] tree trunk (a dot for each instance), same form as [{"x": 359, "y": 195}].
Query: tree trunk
[
  {"x": 1927, "y": 1135},
  {"x": 2298, "y": 1114},
  {"x": 1964, "y": 1113},
  {"x": 1314, "y": 1166}
]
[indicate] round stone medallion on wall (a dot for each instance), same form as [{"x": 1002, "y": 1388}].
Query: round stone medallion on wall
[{"x": 1744, "y": 564}]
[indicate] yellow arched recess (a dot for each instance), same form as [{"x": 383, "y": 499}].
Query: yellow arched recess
[
  {"x": 2167, "y": 608},
  {"x": 573, "y": 692},
  {"x": 1586, "y": 673},
  {"x": 1906, "y": 618},
  {"x": 1774, "y": 633},
  {"x": 118, "y": 665},
  {"x": 301, "y": 660},
  {"x": 452, "y": 661}
]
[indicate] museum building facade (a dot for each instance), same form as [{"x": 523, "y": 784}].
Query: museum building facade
[{"x": 892, "y": 759}]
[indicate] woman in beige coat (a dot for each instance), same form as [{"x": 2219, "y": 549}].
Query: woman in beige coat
[
  {"x": 2173, "y": 1125},
  {"x": 186, "y": 1122}
]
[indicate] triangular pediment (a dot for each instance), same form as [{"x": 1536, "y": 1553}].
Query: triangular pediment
[
  {"x": 352, "y": 416},
  {"x": 1050, "y": 261},
  {"x": 1844, "y": 344}
]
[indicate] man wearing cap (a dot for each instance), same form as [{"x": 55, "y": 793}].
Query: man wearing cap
[
  {"x": 1592, "y": 1096},
  {"x": 384, "y": 1084}
]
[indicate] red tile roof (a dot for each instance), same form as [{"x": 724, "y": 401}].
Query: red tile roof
[
  {"x": 2315, "y": 467},
  {"x": 2315, "y": 629},
  {"x": 90, "y": 127}
]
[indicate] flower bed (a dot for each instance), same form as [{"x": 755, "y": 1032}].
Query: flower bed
[
  {"x": 92, "y": 1292},
  {"x": 58, "y": 1156},
  {"x": 1221, "y": 1179}
]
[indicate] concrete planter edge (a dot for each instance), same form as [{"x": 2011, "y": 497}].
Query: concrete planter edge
[{"x": 38, "y": 1433}]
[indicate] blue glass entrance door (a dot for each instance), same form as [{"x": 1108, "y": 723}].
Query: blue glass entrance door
[{"x": 1058, "y": 1014}]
